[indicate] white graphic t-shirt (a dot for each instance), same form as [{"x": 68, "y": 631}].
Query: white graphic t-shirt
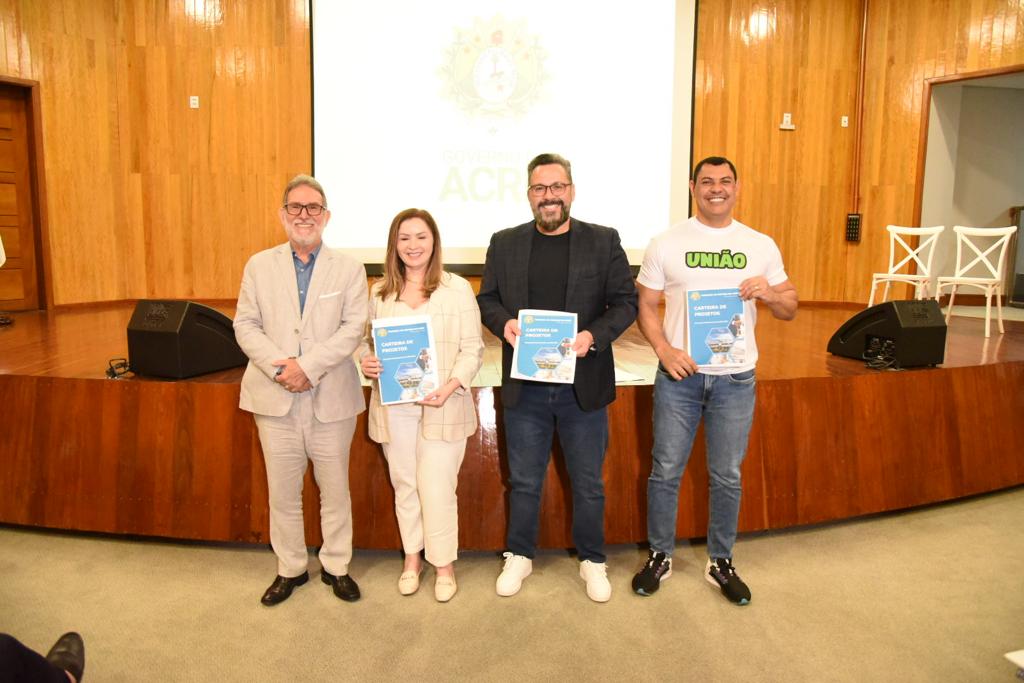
[{"x": 691, "y": 256}]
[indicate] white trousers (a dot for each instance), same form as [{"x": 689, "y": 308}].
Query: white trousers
[
  {"x": 289, "y": 442},
  {"x": 425, "y": 474}
]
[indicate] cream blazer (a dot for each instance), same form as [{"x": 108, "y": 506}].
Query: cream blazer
[
  {"x": 455, "y": 319},
  {"x": 268, "y": 327}
]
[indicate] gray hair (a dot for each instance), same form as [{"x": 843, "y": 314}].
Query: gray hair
[{"x": 308, "y": 181}]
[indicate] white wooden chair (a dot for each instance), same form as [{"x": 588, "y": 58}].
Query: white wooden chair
[
  {"x": 920, "y": 255},
  {"x": 991, "y": 262}
]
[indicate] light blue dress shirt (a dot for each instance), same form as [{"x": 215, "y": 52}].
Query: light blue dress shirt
[{"x": 304, "y": 273}]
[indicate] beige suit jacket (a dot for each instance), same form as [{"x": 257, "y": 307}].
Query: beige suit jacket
[
  {"x": 455, "y": 319},
  {"x": 268, "y": 327}
]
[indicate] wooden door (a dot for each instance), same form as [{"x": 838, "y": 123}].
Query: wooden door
[{"x": 19, "y": 280}]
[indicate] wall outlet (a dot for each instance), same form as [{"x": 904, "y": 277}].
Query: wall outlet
[
  {"x": 853, "y": 227},
  {"x": 193, "y": 101},
  {"x": 787, "y": 122},
  {"x": 844, "y": 121}
]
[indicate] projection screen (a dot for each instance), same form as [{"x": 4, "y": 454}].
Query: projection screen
[{"x": 441, "y": 105}]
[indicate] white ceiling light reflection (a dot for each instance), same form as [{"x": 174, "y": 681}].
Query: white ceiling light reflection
[
  {"x": 204, "y": 11},
  {"x": 758, "y": 26}
]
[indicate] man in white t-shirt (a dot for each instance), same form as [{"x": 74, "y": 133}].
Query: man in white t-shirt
[{"x": 708, "y": 251}]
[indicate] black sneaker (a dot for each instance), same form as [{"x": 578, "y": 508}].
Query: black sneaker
[
  {"x": 657, "y": 568},
  {"x": 721, "y": 573}
]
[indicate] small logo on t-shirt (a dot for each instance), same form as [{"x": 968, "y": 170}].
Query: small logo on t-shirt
[{"x": 716, "y": 259}]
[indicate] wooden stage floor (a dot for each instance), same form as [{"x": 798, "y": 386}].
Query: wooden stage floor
[
  {"x": 832, "y": 439},
  {"x": 78, "y": 343}
]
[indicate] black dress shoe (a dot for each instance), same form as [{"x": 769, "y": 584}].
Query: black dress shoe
[
  {"x": 68, "y": 654},
  {"x": 344, "y": 586},
  {"x": 281, "y": 589}
]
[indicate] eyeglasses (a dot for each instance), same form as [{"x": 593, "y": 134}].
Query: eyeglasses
[
  {"x": 557, "y": 189},
  {"x": 295, "y": 209}
]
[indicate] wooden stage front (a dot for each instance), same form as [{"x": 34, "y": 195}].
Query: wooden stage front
[{"x": 178, "y": 459}]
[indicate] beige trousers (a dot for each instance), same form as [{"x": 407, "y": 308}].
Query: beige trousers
[
  {"x": 424, "y": 473},
  {"x": 289, "y": 442}
]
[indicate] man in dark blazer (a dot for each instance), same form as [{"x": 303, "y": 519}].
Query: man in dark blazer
[{"x": 555, "y": 262}]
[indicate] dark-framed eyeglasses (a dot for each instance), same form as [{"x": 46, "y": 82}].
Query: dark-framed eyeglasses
[
  {"x": 295, "y": 209},
  {"x": 557, "y": 189}
]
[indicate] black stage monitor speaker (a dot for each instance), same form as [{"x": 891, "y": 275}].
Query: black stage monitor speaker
[
  {"x": 180, "y": 339},
  {"x": 900, "y": 334}
]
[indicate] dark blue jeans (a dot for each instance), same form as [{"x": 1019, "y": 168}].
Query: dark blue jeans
[{"x": 542, "y": 410}]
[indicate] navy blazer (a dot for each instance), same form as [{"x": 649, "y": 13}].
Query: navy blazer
[{"x": 599, "y": 290}]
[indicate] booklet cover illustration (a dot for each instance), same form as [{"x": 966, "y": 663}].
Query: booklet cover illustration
[
  {"x": 715, "y": 323},
  {"x": 544, "y": 352},
  {"x": 405, "y": 347}
]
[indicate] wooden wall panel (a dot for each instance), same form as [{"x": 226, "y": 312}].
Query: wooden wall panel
[
  {"x": 8, "y": 200},
  {"x": 755, "y": 61},
  {"x": 147, "y": 197},
  {"x": 11, "y": 285},
  {"x": 907, "y": 43}
]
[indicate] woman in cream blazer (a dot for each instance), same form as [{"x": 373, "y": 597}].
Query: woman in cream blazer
[{"x": 424, "y": 442}]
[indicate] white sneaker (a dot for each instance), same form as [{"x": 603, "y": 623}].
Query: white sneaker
[
  {"x": 517, "y": 568},
  {"x": 596, "y": 576}
]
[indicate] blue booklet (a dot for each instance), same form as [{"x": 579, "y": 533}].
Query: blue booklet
[
  {"x": 543, "y": 352},
  {"x": 715, "y": 325},
  {"x": 405, "y": 347}
]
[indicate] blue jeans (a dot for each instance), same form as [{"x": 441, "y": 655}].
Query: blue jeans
[
  {"x": 727, "y": 405},
  {"x": 529, "y": 428}
]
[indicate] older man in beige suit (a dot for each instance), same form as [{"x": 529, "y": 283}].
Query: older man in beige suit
[{"x": 301, "y": 313}]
